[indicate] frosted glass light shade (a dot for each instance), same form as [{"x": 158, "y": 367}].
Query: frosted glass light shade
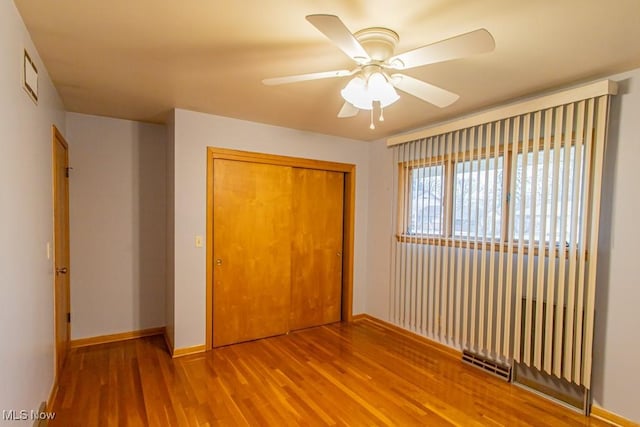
[
  {"x": 356, "y": 94},
  {"x": 361, "y": 94},
  {"x": 381, "y": 90}
]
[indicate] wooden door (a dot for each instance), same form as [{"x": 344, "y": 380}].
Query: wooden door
[
  {"x": 316, "y": 288},
  {"x": 251, "y": 250},
  {"x": 61, "y": 248}
]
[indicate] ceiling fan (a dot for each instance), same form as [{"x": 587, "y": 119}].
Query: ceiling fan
[{"x": 375, "y": 76}]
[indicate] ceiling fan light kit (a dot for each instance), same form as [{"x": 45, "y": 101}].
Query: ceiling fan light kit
[
  {"x": 372, "y": 50},
  {"x": 362, "y": 94}
]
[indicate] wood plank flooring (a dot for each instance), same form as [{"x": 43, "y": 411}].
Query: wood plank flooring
[{"x": 341, "y": 374}]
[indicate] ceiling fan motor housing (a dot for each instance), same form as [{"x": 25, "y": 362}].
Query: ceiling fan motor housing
[{"x": 380, "y": 43}]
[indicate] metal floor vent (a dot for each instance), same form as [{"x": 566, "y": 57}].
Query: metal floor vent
[{"x": 495, "y": 368}]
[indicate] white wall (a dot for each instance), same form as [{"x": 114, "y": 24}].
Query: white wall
[
  {"x": 617, "y": 334},
  {"x": 117, "y": 216},
  {"x": 379, "y": 229},
  {"x": 193, "y": 133},
  {"x": 26, "y": 222}
]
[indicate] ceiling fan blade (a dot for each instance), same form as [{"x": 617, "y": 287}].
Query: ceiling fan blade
[
  {"x": 304, "y": 77},
  {"x": 423, "y": 90},
  {"x": 348, "y": 110},
  {"x": 332, "y": 27},
  {"x": 474, "y": 42}
]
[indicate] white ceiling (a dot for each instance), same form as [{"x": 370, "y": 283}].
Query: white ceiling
[{"x": 139, "y": 59}]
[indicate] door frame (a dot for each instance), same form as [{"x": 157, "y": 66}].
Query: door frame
[
  {"x": 56, "y": 137},
  {"x": 349, "y": 171}
]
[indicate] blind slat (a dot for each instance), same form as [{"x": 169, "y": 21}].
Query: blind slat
[
  {"x": 459, "y": 313},
  {"x": 562, "y": 282},
  {"x": 451, "y": 252},
  {"x": 431, "y": 278},
  {"x": 412, "y": 261},
  {"x": 511, "y": 232},
  {"x": 532, "y": 238},
  {"x": 495, "y": 202},
  {"x": 501, "y": 322},
  {"x": 520, "y": 267},
  {"x": 559, "y": 314},
  {"x": 573, "y": 280},
  {"x": 542, "y": 243},
  {"x": 421, "y": 256},
  {"x": 600, "y": 139},
  {"x": 482, "y": 309}
]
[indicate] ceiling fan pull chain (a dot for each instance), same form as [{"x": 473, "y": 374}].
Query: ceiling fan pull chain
[
  {"x": 372, "y": 126},
  {"x": 381, "y": 113}
]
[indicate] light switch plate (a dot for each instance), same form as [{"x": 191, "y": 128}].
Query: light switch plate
[{"x": 198, "y": 241}]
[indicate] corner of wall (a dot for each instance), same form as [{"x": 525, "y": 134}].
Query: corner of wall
[
  {"x": 170, "y": 256},
  {"x": 379, "y": 228}
]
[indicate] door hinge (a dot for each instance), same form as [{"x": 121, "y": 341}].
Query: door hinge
[
  {"x": 66, "y": 172},
  {"x": 68, "y": 317}
]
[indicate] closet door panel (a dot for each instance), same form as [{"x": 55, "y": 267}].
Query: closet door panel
[
  {"x": 251, "y": 250},
  {"x": 316, "y": 254}
]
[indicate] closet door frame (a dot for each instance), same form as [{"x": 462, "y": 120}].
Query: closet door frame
[{"x": 349, "y": 171}]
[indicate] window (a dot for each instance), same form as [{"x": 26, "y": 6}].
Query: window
[
  {"x": 478, "y": 183},
  {"x": 426, "y": 200},
  {"x": 544, "y": 208},
  {"x": 468, "y": 198}
]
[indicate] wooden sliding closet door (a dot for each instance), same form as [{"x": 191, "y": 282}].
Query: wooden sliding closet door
[
  {"x": 316, "y": 276},
  {"x": 252, "y": 250}
]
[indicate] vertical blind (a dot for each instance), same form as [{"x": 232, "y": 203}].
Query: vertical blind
[{"x": 495, "y": 246}]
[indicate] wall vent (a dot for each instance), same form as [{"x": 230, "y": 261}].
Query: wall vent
[{"x": 488, "y": 365}]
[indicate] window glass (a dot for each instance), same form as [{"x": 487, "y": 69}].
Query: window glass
[
  {"x": 426, "y": 200},
  {"x": 477, "y": 182},
  {"x": 524, "y": 189}
]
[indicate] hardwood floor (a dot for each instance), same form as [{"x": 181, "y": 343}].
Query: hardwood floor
[{"x": 342, "y": 374}]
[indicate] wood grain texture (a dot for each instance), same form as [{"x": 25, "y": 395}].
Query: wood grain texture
[
  {"x": 251, "y": 250},
  {"x": 61, "y": 254},
  {"x": 214, "y": 154},
  {"x": 273, "y": 159},
  {"x": 341, "y": 374},
  {"x": 316, "y": 248},
  {"x": 435, "y": 345},
  {"x": 52, "y": 396},
  {"x": 348, "y": 234}
]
